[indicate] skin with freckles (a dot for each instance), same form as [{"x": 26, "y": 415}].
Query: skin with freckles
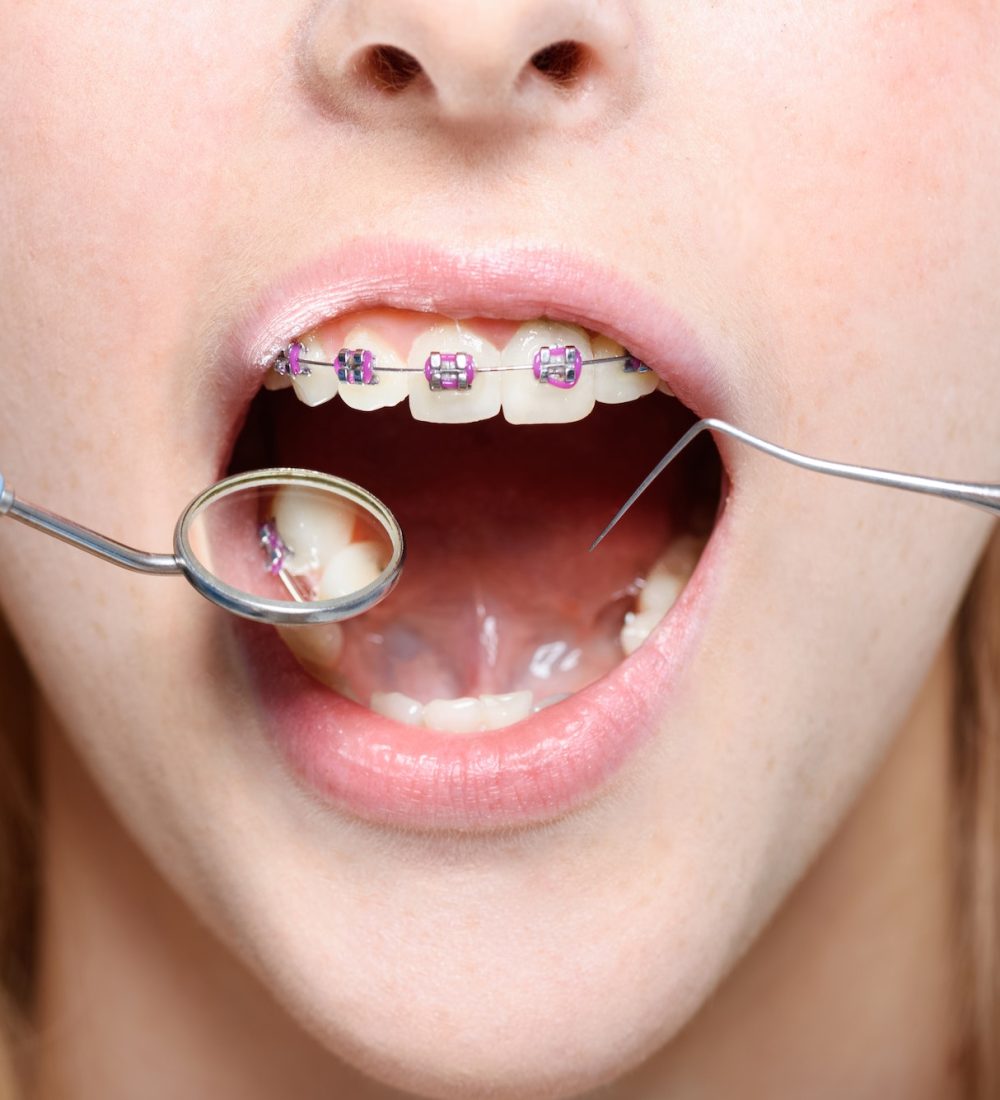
[{"x": 813, "y": 188}]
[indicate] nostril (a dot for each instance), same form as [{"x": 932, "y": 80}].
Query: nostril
[
  {"x": 562, "y": 63},
  {"x": 390, "y": 69}
]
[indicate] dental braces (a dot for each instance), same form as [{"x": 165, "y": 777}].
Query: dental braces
[
  {"x": 276, "y": 550},
  {"x": 277, "y": 553},
  {"x": 559, "y": 365}
]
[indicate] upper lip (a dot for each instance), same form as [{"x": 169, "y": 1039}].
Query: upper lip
[{"x": 514, "y": 282}]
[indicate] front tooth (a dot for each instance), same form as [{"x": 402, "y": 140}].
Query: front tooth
[
  {"x": 528, "y": 401},
  {"x": 612, "y": 383},
  {"x": 399, "y": 707},
  {"x": 391, "y": 387},
  {"x": 549, "y": 701},
  {"x": 312, "y": 526},
  {"x": 320, "y": 385},
  {"x": 479, "y": 402},
  {"x": 638, "y": 627},
  {"x": 505, "y": 710},
  {"x": 454, "y": 715},
  {"x": 353, "y": 568}
]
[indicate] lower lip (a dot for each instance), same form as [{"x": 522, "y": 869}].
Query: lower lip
[{"x": 545, "y": 767}]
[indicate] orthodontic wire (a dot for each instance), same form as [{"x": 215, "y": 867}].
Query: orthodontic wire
[
  {"x": 559, "y": 365},
  {"x": 479, "y": 370},
  {"x": 976, "y": 494}
]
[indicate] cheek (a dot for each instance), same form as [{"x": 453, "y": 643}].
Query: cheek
[
  {"x": 856, "y": 220},
  {"x": 113, "y": 180},
  {"x": 845, "y": 167},
  {"x": 886, "y": 167},
  {"x": 116, "y": 185}
]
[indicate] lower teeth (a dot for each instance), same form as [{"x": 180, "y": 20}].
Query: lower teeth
[
  {"x": 472, "y": 714},
  {"x": 660, "y": 591},
  {"x": 320, "y": 649}
]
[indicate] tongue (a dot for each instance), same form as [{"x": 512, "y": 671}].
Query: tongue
[{"x": 499, "y": 592}]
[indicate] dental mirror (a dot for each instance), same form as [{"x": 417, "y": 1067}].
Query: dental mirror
[{"x": 280, "y": 546}]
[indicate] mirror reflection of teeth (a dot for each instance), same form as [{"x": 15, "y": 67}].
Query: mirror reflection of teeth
[
  {"x": 319, "y": 545},
  {"x": 547, "y": 372},
  {"x": 314, "y": 528}
]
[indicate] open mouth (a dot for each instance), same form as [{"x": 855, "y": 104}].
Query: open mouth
[
  {"x": 511, "y": 674},
  {"x": 500, "y": 486}
]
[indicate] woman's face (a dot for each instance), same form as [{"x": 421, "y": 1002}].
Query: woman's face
[{"x": 789, "y": 211}]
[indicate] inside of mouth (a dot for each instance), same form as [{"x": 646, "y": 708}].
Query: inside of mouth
[{"x": 501, "y": 610}]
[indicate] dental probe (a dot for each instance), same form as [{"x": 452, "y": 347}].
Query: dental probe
[{"x": 978, "y": 495}]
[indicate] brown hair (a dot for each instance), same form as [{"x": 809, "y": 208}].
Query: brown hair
[
  {"x": 976, "y": 827},
  {"x": 19, "y": 802},
  {"x": 975, "y": 835}
]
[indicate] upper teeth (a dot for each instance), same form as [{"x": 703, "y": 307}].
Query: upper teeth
[
  {"x": 323, "y": 550},
  {"x": 454, "y": 406},
  {"x": 315, "y": 531},
  {"x": 525, "y": 400},
  {"x": 317, "y": 386},
  {"x": 392, "y": 385},
  {"x": 435, "y": 376},
  {"x": 613, "y": 386}
]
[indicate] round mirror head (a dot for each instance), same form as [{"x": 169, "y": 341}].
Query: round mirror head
[{"x": 290, "y": 546}]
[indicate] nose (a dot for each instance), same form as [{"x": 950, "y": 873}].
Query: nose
[{"x": 473, "y": 61}]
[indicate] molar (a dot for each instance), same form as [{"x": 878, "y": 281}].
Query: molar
[
  {"x": 353, "y": 568},
  {"x": 660, "y": 591},
  {"x": 612, "y": 383},
  {"x": 681, "y": 556},
  {"x": 480, "y": 402},
  {"x": 528, "y": 401},
  {"x": 313, "y": 528},
  {"x": 637, "y": 628},
  {"x": 320, "y": 385}
]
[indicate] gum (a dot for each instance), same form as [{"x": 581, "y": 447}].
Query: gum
[{"x": 399, "y": 328}]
